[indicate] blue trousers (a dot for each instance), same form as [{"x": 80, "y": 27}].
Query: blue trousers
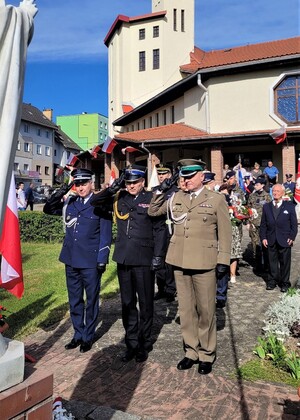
[{"x": 84, "y": 314}]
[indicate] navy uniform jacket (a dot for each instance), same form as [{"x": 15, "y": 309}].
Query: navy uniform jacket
[
  {"x": 284, "y": 227},
  {"x": 88, "y": 234},
  {"x": 139, "y": 236}
]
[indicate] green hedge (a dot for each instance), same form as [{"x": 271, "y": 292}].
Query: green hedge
[{"x": 36, "y": 226}]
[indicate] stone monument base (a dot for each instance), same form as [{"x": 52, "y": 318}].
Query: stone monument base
[{"x": 12, "y": 363}]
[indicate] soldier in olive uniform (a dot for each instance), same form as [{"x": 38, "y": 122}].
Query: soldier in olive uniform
[
  {"x": 199, "y": 249},
  {"x": 256, "y": 201},
  {"x": 139, "y": 251}
]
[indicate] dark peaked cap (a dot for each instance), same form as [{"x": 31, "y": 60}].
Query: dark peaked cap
[
  {"x": 82, "y": 175},
  {"x": 134, "y": 172}
]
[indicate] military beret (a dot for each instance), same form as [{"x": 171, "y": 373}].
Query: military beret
[
  {"x": 134, "y": 172},
  {"x": 208, "y": 176},
  {"x": 260, "y": 181},
  {"x": 82, "y": 175},
  {"x": 189, "y": 167},
  {"x": 229, "y": 174}
]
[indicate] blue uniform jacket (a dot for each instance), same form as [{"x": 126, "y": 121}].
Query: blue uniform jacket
[
  {"x": 284, "y": 227},
  {"x": 88, "y": 233}
]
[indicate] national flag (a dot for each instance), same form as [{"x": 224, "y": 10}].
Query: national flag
[
  {"x": 297, "y": 189},
  {"x": 94, "y": 151},
  {"x": 109, "y": 145},
  {"x": 279, "y": 135},
  {"x": 154, "y": 181},
  {"x": 72, "y": 160},
  {"x": 11, "y": 277},
  {"x": 241, "y": 181},
  {"x": 112, "y": 176},
  {"x": 130, "y": 149}
]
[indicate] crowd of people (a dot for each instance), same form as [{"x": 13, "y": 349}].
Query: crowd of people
[{"x": 185, "y": 233}]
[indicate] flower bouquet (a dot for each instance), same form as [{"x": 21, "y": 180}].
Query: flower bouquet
[{"x": 238, "y": 212}]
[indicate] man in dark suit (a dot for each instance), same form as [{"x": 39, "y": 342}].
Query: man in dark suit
[
  {"x": 278, "y": 230},
  {"x": 139, "y": 250},
  {"x": 85, "y": 254}
]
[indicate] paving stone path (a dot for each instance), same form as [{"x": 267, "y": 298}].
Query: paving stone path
[{"x": 97, "y": 385}]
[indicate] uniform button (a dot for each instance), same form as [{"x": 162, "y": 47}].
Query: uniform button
[
  {"x": 131, "y": 209},
  {"x": 129, "y": 237},
  {"x": 130, "y": 227},
  {"x": 79, "y": 215},
  {"x": 131, "y": 218},
  {"x": 188, "y": 220},
  {"x": 75, "y": 239},
  {"x": 190, "y": 211}
]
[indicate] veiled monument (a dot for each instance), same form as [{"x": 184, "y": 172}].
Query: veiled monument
[{"x": 16, "y": 30}]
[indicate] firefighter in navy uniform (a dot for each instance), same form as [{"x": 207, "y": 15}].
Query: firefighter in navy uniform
[
  {"x": 165, "y": 276},
  {"x": 85, "y": 253},
  {"x": 139, "y": 250}
]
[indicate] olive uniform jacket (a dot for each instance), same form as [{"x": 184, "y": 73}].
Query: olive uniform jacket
[{"x": 202, "y": 229}]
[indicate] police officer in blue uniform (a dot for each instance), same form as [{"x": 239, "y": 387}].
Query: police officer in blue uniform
[
  {"x": 139, "y": 250},
  {"x": 85, "y": 253}
]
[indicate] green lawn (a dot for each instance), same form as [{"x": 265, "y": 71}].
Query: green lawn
[{"x": 45, "y": 299}]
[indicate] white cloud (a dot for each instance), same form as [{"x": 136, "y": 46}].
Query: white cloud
[{"x": 67, "y": 30}]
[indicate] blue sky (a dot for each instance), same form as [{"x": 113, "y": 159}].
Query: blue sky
[{"x": 67, "y": 59}]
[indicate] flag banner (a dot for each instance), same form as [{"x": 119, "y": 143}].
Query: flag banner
[
  {"x": 94, "y": 151},
  {"x": 11, "y": 277},
  {"x": 154, "y": 181},
  {"x": 109, "y": 145},
  {"x": 72, "y": 160},
  {"x": 130, "y": 149},
  {"x": 297, "y": 189},
  {"x": 279, "y": 135},
  {"x": 112, "y": 176},
  {"x": 241, "y": 181}
]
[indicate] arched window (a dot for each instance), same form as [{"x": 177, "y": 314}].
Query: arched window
[{"x": 287, "y": 99}]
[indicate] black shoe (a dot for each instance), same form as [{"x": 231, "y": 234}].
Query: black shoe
[
  {"x": 73, "y": 344},
  {"x": 204, "y": 368},
  {"x": 186, "y": 363},
  {"x": 159, "y": 295},
  {"x": 85, "y": 346},
  {"x": 141, "y": 356},
  {"x": 170, "y": 297},
  {"x": 284, "y": 289},
  {"x": 270, "y": 287},
  {"x": 220, "y": 304},
  {"x": 128, "y": 355}
]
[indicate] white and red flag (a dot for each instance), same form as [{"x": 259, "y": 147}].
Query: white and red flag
[
  {"x": 109, "y": 145},
  {"x": 279, "y": 135},
  {"x": 129, "y": 149},
  {"x": 112, "y": 176},
  {"x": 11, "y": 277}
]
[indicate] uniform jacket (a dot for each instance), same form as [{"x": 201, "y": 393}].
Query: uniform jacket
[
  {"x": 291, "y": 185},
  {"x": 139, "y": 236},
  {"x": 88, "y": 234},
  {"x": 256, "y": 201},
  {"x": 284, "y": 227},
  {"x": 202, "y": 229}
]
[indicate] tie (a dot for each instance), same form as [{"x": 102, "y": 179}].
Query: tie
[
  {"x": 193, "y": 196},
  {"x": 82, "y": 200}
]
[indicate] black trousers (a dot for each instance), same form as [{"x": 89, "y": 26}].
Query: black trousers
[
  {"x": 136, "y": 286},
  {"x": 279, "y": 265}
]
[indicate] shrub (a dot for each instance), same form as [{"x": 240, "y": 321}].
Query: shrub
[
  {"x": 281, "y": 316},
  {"x": 36, "y": 226}
]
